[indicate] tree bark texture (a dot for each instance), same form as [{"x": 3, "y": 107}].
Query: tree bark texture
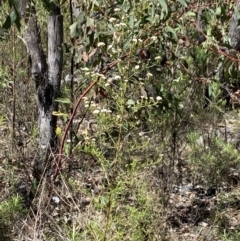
[
  {"x": 75, "y": 7},
  {"x": 47, "y": 77},
  {"x": 200, "y": 26},
  {"x": 55, "y": 62},
  {"x": 234, "y": 31}
]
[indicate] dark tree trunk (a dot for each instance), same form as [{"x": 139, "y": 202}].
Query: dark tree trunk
[{"x": 200, "y": 26}]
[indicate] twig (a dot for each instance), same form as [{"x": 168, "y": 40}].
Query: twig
[{"x": 59, "y": 162}]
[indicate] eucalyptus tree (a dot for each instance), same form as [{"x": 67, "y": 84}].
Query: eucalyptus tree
[
  {"x": 45, "y": 67},
  {"x": 46, "y": 71}
]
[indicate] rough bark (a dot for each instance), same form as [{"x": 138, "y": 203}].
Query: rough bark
[
  {"x": 234, "y": 31},
  {"x": 39, "y": 73},
  {"x": 22, "y": 7},
  {"x": 55, "y": 61},
  {"x": 200, "y": 27},
  {"x": 75, "y": 7},
  {"x": 47, "y": 77}
]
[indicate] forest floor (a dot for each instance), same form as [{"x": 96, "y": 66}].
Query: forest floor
[{"x": 190, "y": 211}]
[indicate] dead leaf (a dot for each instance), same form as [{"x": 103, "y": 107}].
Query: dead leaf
[
  {"x": 84, "y": 56},
  {"x": 92, "y": 52}
]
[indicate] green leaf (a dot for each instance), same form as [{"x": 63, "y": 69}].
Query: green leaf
[
  {"x": 13, "y": 15},
  {"x": 177, "y": 80},
  {"x": 16, "y": 18},
  {"x": 130, "y": 102},
  {"x": 183, "y": 2},
  {"x": 210, "y": 90},
  {"x": 152, "y": 11},
  {"x": 125, "y": 6},
  {"x": 218, "y": 11},
  {"x": 181, "y": 106},
  {"x": 236, "y": 12},
  {"x": 190, "y": 14},
  {"x": 90, "y": 22},
  {"x": 164, "y": 5},
  {"x": 136, "y": 25},
  {"x": 63, "y": 100},
  {"x": 7, "y": 24},
  {"x": 56, "y": 113},
  {"x": 131, "y": 20},
  {"x": 47, "y": 5},
  {"x": 110, "y": 25},
  {"x": 171, "y": 30},
  {"x": 74, "y": 30}
]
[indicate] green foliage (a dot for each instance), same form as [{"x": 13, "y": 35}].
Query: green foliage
[
  {"x": 145, "y": 115},
  {"x": 10, "y": 211},
  {"x": 230, "y": 236},
  {"x": 211, "y": 157},
  {"x": 12, "y": 18},
  {"x": 128, "y": 210},
  {"x": 5, "y": 79}
]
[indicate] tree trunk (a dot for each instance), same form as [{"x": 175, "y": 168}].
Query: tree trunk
[
  {"x": 55, "y": 62},
  {"x": 47, "y": 77},
  {"x": 234, "y": 31},
  {"x": 200, "y": 26},
  {"x": 39, "y": 74}
]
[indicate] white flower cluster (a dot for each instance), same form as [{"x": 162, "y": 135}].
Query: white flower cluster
[
  {"x": 98, "y": 111},
  {"x": 100, "y": 44}
]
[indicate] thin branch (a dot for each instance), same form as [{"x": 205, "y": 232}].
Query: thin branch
[{"x": 59, "y": 162}]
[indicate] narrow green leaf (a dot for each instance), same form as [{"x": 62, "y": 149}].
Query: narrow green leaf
[
  {"x": 183, "y": 2},
  {"x": 153, "y": 11},
  {"x": 171, "y": 30},
  {"x": 162, "y": 15},
  {"x": 131, "y": 20},
  {"x": 16, "y": 17},
  {"x": 164, "y": 5},
  {"x": 63, "y": 100},
  {"x": 210, "y": 90},
  {"x": 56, "y": 113}
]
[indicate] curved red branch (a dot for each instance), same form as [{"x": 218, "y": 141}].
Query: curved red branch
[{"x": 59, "y": 160}]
